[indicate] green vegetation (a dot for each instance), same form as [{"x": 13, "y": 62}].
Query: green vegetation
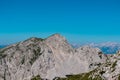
[
  {"x": 119, "y": 77},
  {"x": 113, "y": 70},
  {"x": 84, "y": 76},
  {"x": 114, "y": 64},
  {"x": 36, "y": 78}
]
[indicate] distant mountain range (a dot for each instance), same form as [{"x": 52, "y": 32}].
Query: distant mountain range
[{"x": 106, "y": 47}]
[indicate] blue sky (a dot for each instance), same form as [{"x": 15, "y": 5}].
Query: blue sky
[{"x": 78, "y": 20}]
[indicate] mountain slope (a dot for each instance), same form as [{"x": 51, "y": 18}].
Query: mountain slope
[
  {"x": 48, "y": 58},
  {"x": 106, "y": 71}
]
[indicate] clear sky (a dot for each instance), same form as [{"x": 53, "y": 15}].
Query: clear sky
[{"x": 78, "y": 20}]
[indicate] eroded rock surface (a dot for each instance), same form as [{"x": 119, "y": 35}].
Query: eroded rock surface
[{"x": 53, "y": 57}]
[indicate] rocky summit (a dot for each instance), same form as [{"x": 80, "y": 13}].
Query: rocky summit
[{"x": 53, "y": 58}]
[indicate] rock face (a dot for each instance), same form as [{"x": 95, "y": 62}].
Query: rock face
[{"x": 53, "y": 57}]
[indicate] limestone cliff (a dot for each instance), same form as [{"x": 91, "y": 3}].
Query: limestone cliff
[{"x": 49, "y": 58}]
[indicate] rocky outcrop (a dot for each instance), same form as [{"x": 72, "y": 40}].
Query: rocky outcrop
[
  {"x": 110, "y": 70},
  {"x": 51, "y": 57}
]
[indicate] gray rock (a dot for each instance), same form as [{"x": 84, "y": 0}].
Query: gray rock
[{"x": 51, "y": 57}]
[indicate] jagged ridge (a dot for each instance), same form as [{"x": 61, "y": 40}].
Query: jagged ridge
[{"x": 53, "y": 57}]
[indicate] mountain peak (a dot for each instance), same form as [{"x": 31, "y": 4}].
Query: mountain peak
[
  {"x": 56, "y": 37},
  {"x": 54, "y": 57}
]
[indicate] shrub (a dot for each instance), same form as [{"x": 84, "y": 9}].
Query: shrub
[{"x": 36, "y": 78}]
